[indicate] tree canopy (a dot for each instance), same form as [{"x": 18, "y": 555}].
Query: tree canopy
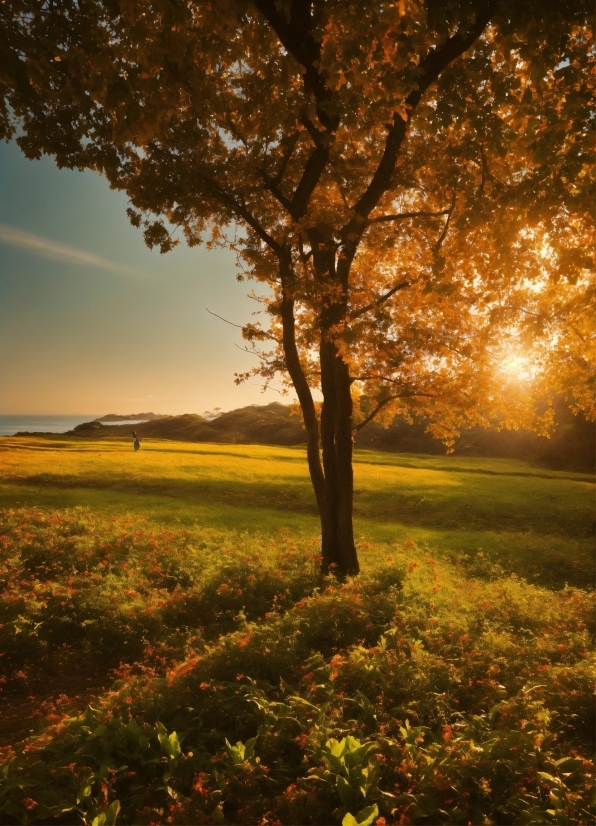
[{"x": 411, "y": 181}]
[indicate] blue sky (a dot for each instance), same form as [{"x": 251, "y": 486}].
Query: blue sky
[{"x": 91, "y": 321}]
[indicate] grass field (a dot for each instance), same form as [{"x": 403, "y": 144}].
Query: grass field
[
  {"x": 171, "y": 654},
  {"x": 536, "y": 523}
]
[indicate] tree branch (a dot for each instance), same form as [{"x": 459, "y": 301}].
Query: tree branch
[
  {"x": 231, "y": 323},
  {"x": 246, "y": 350},
  {"x": 430, "y": 68},
  {"x": 276, "y": 191},
  {"x": 219, "y": 193},
  {"x": 377, "y": 409},
  {"x": 310, "y": 178},
  {"x": 381, "y": 300},
  {"x": 316, "y": 134},
  {"x": 299, "y": 380},
  {"x": 443, "y": 235},
  {"x": 265, "y": 387},
  {"x": 258, "y": 332},
  {"x": 403, "y": 215},
  {"x": 382, "y": 404},
  {"x": 558, "y": 316},
  {"x": 296, "y": 36},
  {"x": 392, "y": 381},
  {"x": 273, "y": 183},
  {"x": 278, "y": 177}
]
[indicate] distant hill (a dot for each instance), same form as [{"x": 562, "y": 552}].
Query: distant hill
[
  {"x": 270, "y": 424},
  {"x": 571, "y": 447},
  {"x": 115, "y": 417}
]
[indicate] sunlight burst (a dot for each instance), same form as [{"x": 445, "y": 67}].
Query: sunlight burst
[{"x": 516, "y": 367}]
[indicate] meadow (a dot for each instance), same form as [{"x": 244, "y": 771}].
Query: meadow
[
  {"x": 171, "y": 654},
  {"x": 534, "y": 522}
]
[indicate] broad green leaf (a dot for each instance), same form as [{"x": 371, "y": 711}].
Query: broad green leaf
[
  {"x": 365, "y": 817},
  {"x": 348, "y": 796}
]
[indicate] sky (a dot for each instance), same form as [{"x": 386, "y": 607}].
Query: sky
[{"x": 93, "y": 322}]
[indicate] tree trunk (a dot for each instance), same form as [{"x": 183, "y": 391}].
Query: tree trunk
[
  {"x": 336, "y": 438},
  {"x": 333, "y": 480},
  {"x": 338, "y": 548},
  {"x": 345, "y": 475},
  {"x": 305, "y": 399}
]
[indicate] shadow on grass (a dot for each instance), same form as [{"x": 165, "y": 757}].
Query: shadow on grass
[
  {"x": 479, "y": 504},
  {"x": 550, "y": 561}
]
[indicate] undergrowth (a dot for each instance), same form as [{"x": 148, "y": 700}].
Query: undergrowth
[{"x": 250, "y": 690}]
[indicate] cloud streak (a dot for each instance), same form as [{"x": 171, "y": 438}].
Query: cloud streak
[{"x": 61, "y": 252}]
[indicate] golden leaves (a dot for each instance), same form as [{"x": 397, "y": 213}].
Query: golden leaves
[{"x": 202, "y": 114}]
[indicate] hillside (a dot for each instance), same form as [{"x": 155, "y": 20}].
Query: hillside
[
  {"x": 271, "y": 424},
  {"x": 115, "y": 417},
  {"x": 571, "y": 446}
]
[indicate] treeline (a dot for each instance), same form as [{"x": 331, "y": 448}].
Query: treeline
[{"x": 571, "y": 446}]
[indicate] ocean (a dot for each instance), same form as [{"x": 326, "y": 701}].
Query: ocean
[{"x": 9, "y": 425}]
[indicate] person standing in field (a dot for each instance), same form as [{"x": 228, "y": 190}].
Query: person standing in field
[{"x": 137, "y": 443}]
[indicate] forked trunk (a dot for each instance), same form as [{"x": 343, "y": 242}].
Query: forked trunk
[{"x": 333, "y": 480}]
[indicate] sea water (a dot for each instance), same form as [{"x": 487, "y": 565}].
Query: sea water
[{"x": 9, "y": 425}]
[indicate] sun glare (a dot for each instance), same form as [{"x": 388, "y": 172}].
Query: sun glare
[{"x": 517, "y": 368}]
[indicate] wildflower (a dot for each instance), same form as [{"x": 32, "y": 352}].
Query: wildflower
[{"x": 29, "y": 803}]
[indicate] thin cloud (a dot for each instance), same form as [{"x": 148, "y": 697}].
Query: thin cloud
[{"x": 61, "y": 252}]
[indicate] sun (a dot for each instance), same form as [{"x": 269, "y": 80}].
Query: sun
[
  {"x": 513, "y": 366},
  {"x": 516, "y": 367}
]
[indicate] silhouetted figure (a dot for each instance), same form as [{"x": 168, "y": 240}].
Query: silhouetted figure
[{"x": 137, "y": 442}]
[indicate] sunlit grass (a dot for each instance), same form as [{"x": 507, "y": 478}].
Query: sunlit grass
[
  {"x": 537, "y": 523},
  {"x": 185, "y": 604}
]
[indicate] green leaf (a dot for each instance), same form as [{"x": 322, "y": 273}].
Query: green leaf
[
  {"x": 237, "y": 752},
  {"x": 84, "y": 791},
  {"x": 348, "y": 796},
  {"x": 249, "y": 748},
  {"x": 549, "y": 778},
  {"x": 111, "y": 813},
  {"x": 365, "y": 817},
  {"x": 169, "y": 744}
]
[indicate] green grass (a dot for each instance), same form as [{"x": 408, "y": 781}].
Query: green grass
[
  {"x": 537, "y": 523},
  {"x": 171, "y": 653}
]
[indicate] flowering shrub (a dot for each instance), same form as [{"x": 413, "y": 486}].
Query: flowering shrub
[
  {"x": 112, "y": 591},
  {"x": 412, "y": 694}
]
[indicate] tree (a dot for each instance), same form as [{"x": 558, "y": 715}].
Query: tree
[{"x": 411, "y": 180}]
